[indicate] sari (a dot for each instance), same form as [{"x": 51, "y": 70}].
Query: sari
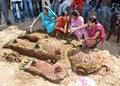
[
  {"x": 76, "y": 23},
  {"x": 61, "y": 22},
  {"x": 92, "y": 31},
  {"x": 46, "y": 22}
]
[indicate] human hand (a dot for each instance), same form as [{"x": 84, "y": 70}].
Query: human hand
[
  {"x": 65, "y": 31},
  {"x": 61, "y": 29},
  {"x": 71, "y": 31}
]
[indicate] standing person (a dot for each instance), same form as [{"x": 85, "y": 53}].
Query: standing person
[
  {"x": 77, "y": 21},
  {"x": 77, "y": 5},
  {"x": 48, "y": 18},
  {"x": 29, "y": 9},
  {"x": 93, "y": 5},
  {"x": 4, "y": 10},
  {"x": 95, "y": 32},
  {"x": 55, "y": 6},
  {"x": 61, "y": 25},
  {"x": 63, "y": 7},
  {"x": 37, "y": 6},
  {"x": 106, "y": 12},
  {"x": 20, "y": 6}
]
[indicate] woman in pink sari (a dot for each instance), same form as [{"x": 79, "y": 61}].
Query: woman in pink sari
[
  {"x": 95, "y": 33},
  {"x": 77, "y": 21}
]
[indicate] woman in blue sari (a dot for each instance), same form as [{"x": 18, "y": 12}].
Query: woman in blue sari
[{"x": 48, "y": 18}]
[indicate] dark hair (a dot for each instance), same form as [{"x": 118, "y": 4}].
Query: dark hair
[
  {"x": 75, "y": 13},
  {"x": 45, "y": 9},
  {"x": 93, "y": 19},
  {"x": 64, "y": 14}
]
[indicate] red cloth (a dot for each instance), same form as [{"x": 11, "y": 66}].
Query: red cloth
[{"x": 78, "y": 3}]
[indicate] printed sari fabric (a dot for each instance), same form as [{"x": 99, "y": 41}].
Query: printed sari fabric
[
  {"x": 61, "y": 22},
  {"x": 92, "y": 31},
  {"x": 74, "y": 24},
  {"x": 47, "y": 23}
]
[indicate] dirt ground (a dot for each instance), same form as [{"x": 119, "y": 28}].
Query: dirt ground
[{"x": 10, "y": 75}]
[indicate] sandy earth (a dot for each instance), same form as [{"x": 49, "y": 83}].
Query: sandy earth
[{"x": 10, "y": 75}]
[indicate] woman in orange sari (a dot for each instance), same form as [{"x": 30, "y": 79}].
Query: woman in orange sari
[{"x": 61, "y": 25}]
